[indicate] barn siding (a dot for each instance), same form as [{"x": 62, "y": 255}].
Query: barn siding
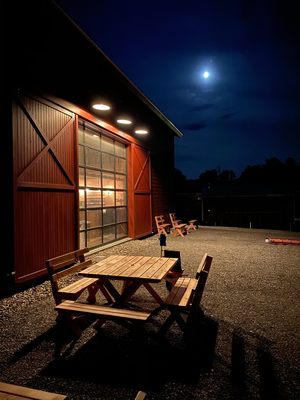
[
  {"x": 45, "y": 228},
  {"x": 45, "y": 200},
  {"x": 140, "y": 200},
  {"x": 39, "y": 157},
  {"x": 162, "y": 172}
]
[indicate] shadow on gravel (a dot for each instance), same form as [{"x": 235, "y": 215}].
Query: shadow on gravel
[
  {"x": 238, "y": 362},
  {"x": 267, "y": 382},
  {"x": 269, "y": 387},
  {"x": 53, "y": 335},
  {"x": 62, "y": 338},
  {"x": 115, "y": 356}
]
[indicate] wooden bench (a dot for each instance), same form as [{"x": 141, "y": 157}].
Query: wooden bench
[
  {"x": 69, "y": 309},
  {"x": 161, "y": 225},
  {"x": 191, "y": 225},
  {"x": 178, "y": 228},
  {"x": 140, "y": 395},
  {"x": 68, "y": 265},
  {"x": 15, "y": 392},
  {"x": 185, "y": 297}
]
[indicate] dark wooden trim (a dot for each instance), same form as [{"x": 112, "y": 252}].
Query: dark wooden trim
[{"x": 28, "y": 185}]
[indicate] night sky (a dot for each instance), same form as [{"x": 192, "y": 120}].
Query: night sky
[{"x": 247, "y": 110}]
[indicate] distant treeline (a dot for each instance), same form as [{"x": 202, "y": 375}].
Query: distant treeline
[{"x": 273, "y": 171}]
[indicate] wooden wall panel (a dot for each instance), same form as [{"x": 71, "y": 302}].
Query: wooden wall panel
[
  {"x": 45, "y": 191},
  {"x": 162, "y": 173},
  {"x": 142, "y": 206},
  {"x": 42, "y": 157},
  {"x": 140, "y": 222},
  {"x": 46, "y": 227}
]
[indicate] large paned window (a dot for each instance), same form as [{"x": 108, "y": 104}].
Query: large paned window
[{"x": 102, "y": 187}]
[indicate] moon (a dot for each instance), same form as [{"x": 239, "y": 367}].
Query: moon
[{"x": 206, "y": 74}]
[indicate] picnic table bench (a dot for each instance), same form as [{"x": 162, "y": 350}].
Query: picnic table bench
[
  {"x": 70, "y": 264},
  {"x": 185, "y": 297},
  {"x": 15, "y": 392}
]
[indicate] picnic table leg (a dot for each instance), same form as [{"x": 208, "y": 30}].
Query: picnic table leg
[
  {"x": 129, "y": 288},
  {"x": 104, "y": 291},
  {"x": 174, "y": 316},
  {"x": 153, "y": 293},
  {"x": 92, "y": 290},
  {"x": 71, "y": 321},
  {"x": 111, "y": 289}
]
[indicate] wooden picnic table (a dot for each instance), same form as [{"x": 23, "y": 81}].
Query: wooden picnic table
[{"x": 134, "y": 271}]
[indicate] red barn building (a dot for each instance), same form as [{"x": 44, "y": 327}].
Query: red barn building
[{"x": 72, "y": 175}]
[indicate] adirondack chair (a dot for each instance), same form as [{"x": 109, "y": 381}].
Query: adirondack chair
[
  {"x": 161, "y": 225},
  {"x": 179, "y": 229}
]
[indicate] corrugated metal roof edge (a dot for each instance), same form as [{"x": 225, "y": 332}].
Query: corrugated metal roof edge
[{"x": 127, "y": 81}]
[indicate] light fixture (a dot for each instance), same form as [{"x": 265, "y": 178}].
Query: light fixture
[
  {"x": 101, "y": 107},
  {"x": 124, "y": 121},
  {"x": 141, "y": 131}
]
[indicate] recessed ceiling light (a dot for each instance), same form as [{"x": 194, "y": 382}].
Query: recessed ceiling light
[
  {"x": 101, "y": 106},
  {"x": 124, "y": 121},
  {"x": 141, "y": 131}
]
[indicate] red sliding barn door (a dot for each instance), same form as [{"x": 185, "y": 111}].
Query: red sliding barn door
[
  {"x": 140, "y": 213},
  {"x": 45, "y": 185}
]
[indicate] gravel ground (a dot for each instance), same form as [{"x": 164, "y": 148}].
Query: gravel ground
[{"x": 248, "y": 348}]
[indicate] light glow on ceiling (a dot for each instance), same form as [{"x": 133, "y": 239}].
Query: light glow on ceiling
[
  {"x": 101, "y": 107},
  {"x": 141, "y": 131},
  {"x": 124, "y": 121}
]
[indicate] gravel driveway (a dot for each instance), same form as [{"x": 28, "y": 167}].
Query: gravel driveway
[{"x": 249, "y": 347}]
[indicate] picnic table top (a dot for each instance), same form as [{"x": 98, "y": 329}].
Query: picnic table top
[{"x": 143, "y": 268}]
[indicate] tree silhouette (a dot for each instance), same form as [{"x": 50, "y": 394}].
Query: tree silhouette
[
  {"x": 272, "y": 171},
  {"x": 216, "y": 176}
]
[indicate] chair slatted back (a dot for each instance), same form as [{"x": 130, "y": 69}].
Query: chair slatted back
[
  {"x": 141, "y": 395},
  {"x": 173, "y": 219},
  {"x": 201, "y": 276},
  {"x": 65, "y": 265},
  {"x": 66, "y": 260},
  {"x": 72, "y": 270},
  {"x": 204, "y": 265},
  {"x": 174, "y": 254},
  {"x": 159, "y": 219}
]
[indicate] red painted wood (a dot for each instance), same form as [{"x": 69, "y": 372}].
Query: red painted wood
[
  {"x": 45, "y": 188},
  {"x": 141, "y": 223}
]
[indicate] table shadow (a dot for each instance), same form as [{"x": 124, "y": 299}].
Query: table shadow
[{"x": 131, "y": 359}]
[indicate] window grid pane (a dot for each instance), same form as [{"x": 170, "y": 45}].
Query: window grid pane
[{"x": 103, "y": 188}]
